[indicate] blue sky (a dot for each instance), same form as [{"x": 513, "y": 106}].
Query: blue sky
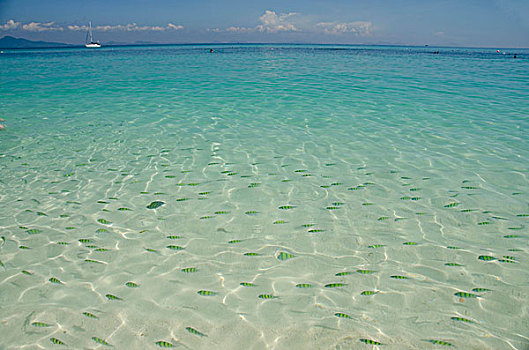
[{"x": 486, "y": 23}]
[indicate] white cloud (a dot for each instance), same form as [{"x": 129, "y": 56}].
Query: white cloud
[
  {"x": 239, "y": 29},
  {"x": 174, "y": 27},
  {"x": 41, "y": 27},
  {"x": 131, "y": 27},
  {"x": 10, "y": 25},
  {"x": 359, "y": 28},
  {"x": 273, "y": 23}
]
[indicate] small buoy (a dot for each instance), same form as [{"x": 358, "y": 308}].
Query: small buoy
[{"x": 498, "y": 51}]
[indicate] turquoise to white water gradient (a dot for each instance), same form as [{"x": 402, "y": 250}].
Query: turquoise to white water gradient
[{"x": 361, "y": 195}]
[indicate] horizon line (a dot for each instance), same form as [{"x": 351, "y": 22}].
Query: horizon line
[{"x": 71, "y": 46}]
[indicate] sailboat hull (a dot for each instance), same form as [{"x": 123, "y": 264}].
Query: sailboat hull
[{"x": 93, "y": 45}]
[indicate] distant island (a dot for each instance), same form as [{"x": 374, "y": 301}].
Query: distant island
[{"x": 9, "y": 42}]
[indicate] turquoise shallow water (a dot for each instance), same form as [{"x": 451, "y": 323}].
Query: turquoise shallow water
[{"x": 358, "y": 194}]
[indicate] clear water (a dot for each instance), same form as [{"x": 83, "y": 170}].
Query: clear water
[{"x": 320, "y": 159}]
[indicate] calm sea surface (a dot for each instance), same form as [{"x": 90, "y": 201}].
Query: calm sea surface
[{"x": 264, "y": 197}]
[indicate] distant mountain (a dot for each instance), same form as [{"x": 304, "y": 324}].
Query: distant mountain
[{"x": 9, "y": 42}]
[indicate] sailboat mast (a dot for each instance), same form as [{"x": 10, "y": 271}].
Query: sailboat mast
[{"x": 90, "y": 31}]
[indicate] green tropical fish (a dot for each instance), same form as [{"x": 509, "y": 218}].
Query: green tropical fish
[
  {"x": 55, "y": 280},
  {"x": 307, "y": 225},
  {"x": 182, "y": 199},
  {"x": 344, "y": 273},
  {"x": 101, "y": 250},
  {"x": 368, "y": 293},
  {"x": 204, "y": 193},
  {"x": 150, "y": 250},
  {"x": 484, "y": 223},
  {"x": 398, "y": 277},
  {"x": 251, "y": 254},
  {"x": 101, "y": 230},
  {"x": 104, "y": 222},
  {"x": 101, "y": 341},
  {"x": 286, "y": 207},
  {"x": 335, "y": 285},
  {"x": 195, "y": 332},
  {"x": 374, "y": 246},
  {"x": 439, "y": 342},
  {"x": 479, "y": 290},
  {"x": 57, "y": 341},
  {"x": 332, "y": 208},
  {"x": 453, "y": 264},
  {"x": 155, "y": 205},
  {"x": 123, "y": 209},
  {"x": 206, "y": 293},
  {"x": 90, "y": 315},
  {"x": 370, "y": 342},
  {"x": 253, "y": 184},
  {"x": 175, "y": 247},
  {"x": 23, "y": 271},
  {"x": 189, "y": 269},
  {"x": 23, "y": 247},
  {"x": 342, "y": 315},
  {"x": 451, "y": 205},
  {"x": 63, "y": 243},
  {"x": 509, "y": 257},
  {"x": 221, "y": 212},
  {"x": 452, "y": 247},
  {"x": 235, "y": 241},
  {"x": 247, "y": 284},
  {"x": 251, "y": 212},
  {"x": 382, "y": 218},
  {"x": 507, "y": 261},
  {"x": 206, "y": 217},
  {"x": 304, "y": 285},
  {"x": 112, "y": 297},
  {"x": 511, "y": 236},
  {"x": 33, "y": 231},
  {"x": 278, "y": 222},
  {"x": 457, "y": 318},
  {"x": 315, "y": 230},
  {"x": 164, "y": 344},
  {"x": 365, "y": 272},
  {"x": 486, "y": 258},
  {"x": 40, "y": 324},
  {"x": 285, "y": 256},
  {"x": 465, "y": 295},
  {"x": 410, "y": 243},
  {"x": 267, "y": 296},
  {"x": 131, "y": 285}
]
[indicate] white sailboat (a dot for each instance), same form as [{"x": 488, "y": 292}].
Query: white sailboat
[{"x": 90, "y": 39}]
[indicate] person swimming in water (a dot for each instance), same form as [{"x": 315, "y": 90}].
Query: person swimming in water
[{"x": 2, "y": 126}]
